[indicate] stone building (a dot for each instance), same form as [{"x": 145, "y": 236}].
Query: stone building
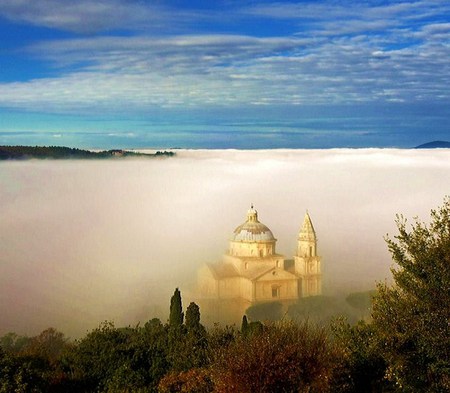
[{"x": 253, "y": 272}]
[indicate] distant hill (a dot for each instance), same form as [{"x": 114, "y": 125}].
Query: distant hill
[
  {"x": 434, "y": 145},
  {"x": 61, "y": 152}
]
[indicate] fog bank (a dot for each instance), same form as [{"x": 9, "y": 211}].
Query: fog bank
[{"x": 85, "y": 241}]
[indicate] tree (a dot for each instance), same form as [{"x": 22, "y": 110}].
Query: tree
[
  {"x": 283, "y": 357},
  {"x": 193, "y": 317},
  {"x": 13, "y": 343},
  {"x": 244, "y": 325},
  {"x": 362, "y": 368},
  {"x": 48, "y": 345},
  {"x": 272, "y": 311},
  {"x": 412, "y": 316},
  {"x": 176, "y": 310},
  {"x": 195, "y": 351}
]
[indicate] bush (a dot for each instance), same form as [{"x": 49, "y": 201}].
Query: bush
[{"x": 283, "y": 357}]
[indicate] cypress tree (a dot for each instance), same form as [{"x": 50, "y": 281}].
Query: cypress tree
[
  {"x": 244, "y": 326},
  {"x": 176, "y": 310}
]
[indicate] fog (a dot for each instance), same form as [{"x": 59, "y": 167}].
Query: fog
[{"x": 87, "y": 241}]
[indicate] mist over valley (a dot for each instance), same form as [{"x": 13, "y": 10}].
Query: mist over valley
[{"x": 84, "y": 241}]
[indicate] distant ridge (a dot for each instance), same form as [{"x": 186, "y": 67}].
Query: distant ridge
[
  {"x": 434, "y": 145},
  {"x": 62, "y": 152}
]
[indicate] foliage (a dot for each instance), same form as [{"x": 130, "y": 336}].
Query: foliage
[
  {"x": 363, "y": 368},
  {"x": 244, "y": 325},
  {"x": 48, "y": 345},
  {"x": 13, "y": 343},
  {"x": 120, "y": 360},
  {"x": 30, "y": 364},
  {"x": 176, "y": 310},
  {"x": 412, "y": 316},
  {"x": 283, "y": 357},
  {"x": 272, "y": 311},
  {"x": 195, "y": 380},
  {"x": 193, "y": 318}
]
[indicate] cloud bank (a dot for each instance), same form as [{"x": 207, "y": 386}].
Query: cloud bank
[
  {"x": 173, "y": 56},
  {"x": 87, "y": 241}
]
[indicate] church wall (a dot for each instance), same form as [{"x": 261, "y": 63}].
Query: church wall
[
  {"x": 311, "y": 286},
  {"x": 309, "y": 265},
  {"x": 252, "y": 249},
  {"x": 276, "y": 290},
  {"x": 246, "y": 289},
  {"x": 307, "y": 249},
  {"x": 229, "y": 288}
]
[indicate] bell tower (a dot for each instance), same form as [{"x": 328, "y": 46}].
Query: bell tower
[{"x": 307, "y": 262}]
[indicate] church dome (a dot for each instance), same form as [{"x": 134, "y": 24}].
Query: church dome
[{"x": 252, "y": 230}]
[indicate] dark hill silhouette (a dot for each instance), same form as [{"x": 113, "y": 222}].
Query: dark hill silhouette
[{"x": 434, "y": 145}]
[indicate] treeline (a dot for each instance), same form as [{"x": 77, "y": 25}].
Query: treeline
[
  {"x": 61, "y": 152},
  {"x": 178, "y": 356},
  {"x": 404, "y": 348}
]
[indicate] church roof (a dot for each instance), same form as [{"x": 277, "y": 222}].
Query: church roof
[
  {"x": 227, "y": 270},
  {"x": 223, "y": 270},
  {"x": 252, "y": 230}
]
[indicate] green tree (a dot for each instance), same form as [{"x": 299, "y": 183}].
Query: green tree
[
  {"x": 362, "y": 368},
  {"x": 96, "y": 358},
  {"x": 48, "y": 345},
  {"x": 193, "y": 318},
  {"x": 176, "y": 310},
  {"x": 271, "y": 311},
  {"x": 244, "y": 325},
  {"x": 13, "y": 343},
  {"x": 188, "y": 343},
  {"x": 412, "y": 316}
]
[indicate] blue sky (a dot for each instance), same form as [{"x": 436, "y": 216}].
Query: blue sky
[{"x": 219, "y": 74}]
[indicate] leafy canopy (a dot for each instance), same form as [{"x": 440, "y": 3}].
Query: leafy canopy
[{"x": 412, "y": 317}]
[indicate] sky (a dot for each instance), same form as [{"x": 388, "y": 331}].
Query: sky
[
  {"x": 86, "y": 241},
  {"x": 224, "y": 74}
]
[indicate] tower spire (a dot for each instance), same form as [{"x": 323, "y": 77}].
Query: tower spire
[{"x": 307, "y": 229}]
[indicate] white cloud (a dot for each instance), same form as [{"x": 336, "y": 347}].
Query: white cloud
[
  {"x": 363, "y": 53},
  {"x": 85, "y": 16}
]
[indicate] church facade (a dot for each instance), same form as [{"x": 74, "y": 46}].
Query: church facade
[{"x": 253, "y": 272}]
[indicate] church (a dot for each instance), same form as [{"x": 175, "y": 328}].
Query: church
[{"x": 252, "y": 272}]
